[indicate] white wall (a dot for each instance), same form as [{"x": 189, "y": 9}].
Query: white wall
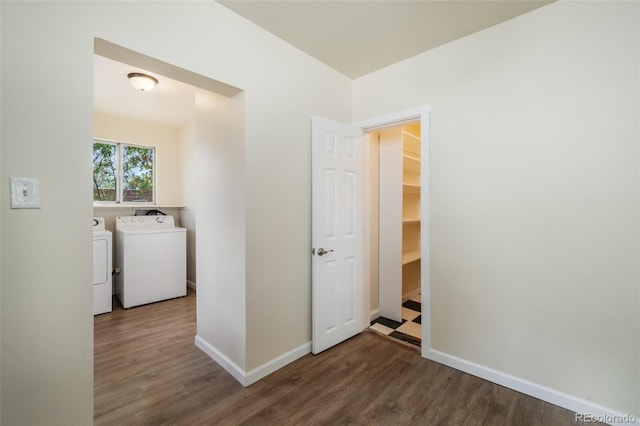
[
  {"x": 390, "y": 223},
  {"x": 166, "y": 141},
  {"x": 534, "y": 200},
  {"x": 221, "y": 219},
  {"x": 47, "y": 317},
  {"x": 278, "y": 113},
  {"x": 46, "y": 123},
  {"x": 374, "y": 224},
  {"x": 188, "y": 159},
  {"x": 638, "y": 259}
]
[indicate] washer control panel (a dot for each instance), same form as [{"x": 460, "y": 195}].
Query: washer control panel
[{"x": 144, "y": 222}]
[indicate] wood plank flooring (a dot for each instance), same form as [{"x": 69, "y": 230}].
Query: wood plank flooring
[{"x": 148, "y": 372}]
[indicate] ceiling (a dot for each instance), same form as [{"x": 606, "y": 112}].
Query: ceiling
[
  {"x": 356, "y": 37},
  {"x": 171, "y": 102},
  {"x": 353, "y": 37}
]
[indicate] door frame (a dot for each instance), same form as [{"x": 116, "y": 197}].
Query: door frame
[{"x": 421, "y": 114}]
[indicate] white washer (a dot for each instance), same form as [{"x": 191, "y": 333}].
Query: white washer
[
  {"x": 151, "y": 253},
  {"x": 102, "y": 267}
]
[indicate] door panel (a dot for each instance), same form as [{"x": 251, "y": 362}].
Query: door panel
[{"x": 337, "y": 228}]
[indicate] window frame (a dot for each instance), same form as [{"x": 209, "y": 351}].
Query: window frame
[{"x": 119, "y": 171}]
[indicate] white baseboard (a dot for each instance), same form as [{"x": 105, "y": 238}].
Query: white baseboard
[
  {"x": 277, "y": 363},
  {"x": 231, "y": 367},
  {"x": 374, "y": 314},
  {"x": 191, "y": 284},
  {"x": 579, "y": 406},
  {"x": 257, "y": 373}
]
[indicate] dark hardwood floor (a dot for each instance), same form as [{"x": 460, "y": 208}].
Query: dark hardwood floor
[{"x": 148, "y": 372}]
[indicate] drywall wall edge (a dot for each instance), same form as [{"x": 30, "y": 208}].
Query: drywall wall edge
[
  {"x": 249, "y": 378},
  {"x": 220, "y": 358}
]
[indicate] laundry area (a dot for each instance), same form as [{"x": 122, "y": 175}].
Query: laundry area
[
  {"x": 147, "y": 263},
  {"x": 165, "y": 140},
  {"x": 143, "y": 187}
]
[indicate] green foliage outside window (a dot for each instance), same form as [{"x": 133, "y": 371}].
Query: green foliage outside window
[
  {"x": 136, "y": 184},
  {"x": 137, "y": 174},
  {"x": 105, "y": 172}
]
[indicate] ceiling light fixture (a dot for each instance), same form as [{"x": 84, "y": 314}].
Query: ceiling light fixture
[{"x": 142, "y": 82}]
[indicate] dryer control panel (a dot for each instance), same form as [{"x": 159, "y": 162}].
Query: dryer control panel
[{"x": 98, "y": 224}]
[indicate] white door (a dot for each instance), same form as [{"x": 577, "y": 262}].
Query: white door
[{"x": 337, "y": 233}]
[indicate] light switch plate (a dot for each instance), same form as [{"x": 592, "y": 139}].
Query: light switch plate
[{"x": 25, "y": 193}]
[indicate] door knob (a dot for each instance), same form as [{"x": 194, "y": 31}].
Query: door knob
[{"x": 322, "y": 251}]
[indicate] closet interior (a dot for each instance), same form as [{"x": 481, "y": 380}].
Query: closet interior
[
  {"x": 398, "y": 164},
  {"x": 411, "y": 253}
]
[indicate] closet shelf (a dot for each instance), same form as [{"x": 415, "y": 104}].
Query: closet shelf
[
  {"x": 410, "y": 189},
  {"x": 411, "y": 163},
  {"x": 410, "y": 221},
  {"x": 410, "y": 256},
  {"x": 404, "y": 132}
]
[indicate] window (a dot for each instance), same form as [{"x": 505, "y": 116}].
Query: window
[
  {"x": 123, "y": 173},
  {"x": 105, "y": 172}
]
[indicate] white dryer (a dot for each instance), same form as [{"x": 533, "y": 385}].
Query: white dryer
[
  {"x": 102, "y": 267},
  {"x": 151, "y": 253}
]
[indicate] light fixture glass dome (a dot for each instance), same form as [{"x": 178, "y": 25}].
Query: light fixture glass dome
[{"x": 142, "y": 82}]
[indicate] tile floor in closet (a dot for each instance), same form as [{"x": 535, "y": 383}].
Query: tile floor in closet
[{"x": 409, "y": 330}]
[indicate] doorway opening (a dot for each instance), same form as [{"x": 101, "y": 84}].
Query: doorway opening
[
  {"x": 200, "y": 172},
  {"x": 396, "y": 218},
  {"x": 395, "y": 227}
]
